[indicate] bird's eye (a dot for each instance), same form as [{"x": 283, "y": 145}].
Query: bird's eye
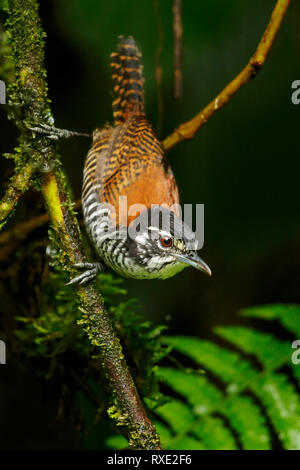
[{"x": 166, "y": 242}]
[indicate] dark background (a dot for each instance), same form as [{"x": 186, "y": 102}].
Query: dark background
[{"x": 243, "y": 165}]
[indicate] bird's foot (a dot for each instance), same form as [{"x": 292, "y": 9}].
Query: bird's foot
[
  {"x": 54, "y": 133},
  {"x": 90, "y": 273}
]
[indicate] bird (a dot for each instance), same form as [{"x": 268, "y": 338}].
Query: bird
[{"x": 127, "y": 162}]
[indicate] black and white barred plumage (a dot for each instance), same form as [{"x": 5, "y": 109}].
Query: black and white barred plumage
[{"x": 127, "y": 160}]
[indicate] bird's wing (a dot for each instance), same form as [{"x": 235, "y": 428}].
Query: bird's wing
[{"x": 132, "y": 163}]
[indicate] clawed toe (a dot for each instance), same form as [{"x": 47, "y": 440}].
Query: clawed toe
[
  {"x": 92, "y": 269},
  {"x": 49, "y": 131},
  {"x": 82, "y": 278},
  {"x": 54, "y": 133},
  {"x": 85, "y": 265}
]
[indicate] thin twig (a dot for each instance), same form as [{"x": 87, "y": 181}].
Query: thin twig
[
  {"x": 26, "y": 38},
  {"x": 188, "y": 129},
  {"x": 158, "y": 67},
  {"x": 177, "y": 34}
]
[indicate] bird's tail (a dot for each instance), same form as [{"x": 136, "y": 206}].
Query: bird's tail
[{"x": 128, "y": 80}]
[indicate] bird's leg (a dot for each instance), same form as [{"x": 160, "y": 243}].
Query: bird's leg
[
  {"x": 54, "y": 133},
  {"x": 91, "y": 270}
]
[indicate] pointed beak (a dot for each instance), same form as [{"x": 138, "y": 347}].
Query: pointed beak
[{"x": 194, "y": 260}]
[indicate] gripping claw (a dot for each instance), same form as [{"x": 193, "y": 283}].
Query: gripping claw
[{"x": 90, "y": 273}]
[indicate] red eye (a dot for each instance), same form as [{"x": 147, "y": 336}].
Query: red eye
[{"x": 166, "y": 242}]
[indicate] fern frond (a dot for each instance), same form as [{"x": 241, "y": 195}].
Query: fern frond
[
  {"x": 243, "y": 415},
  {"x": 247, "y": 420},
  {"x": 277, "y": 396},
  {"x": 201, "y": 395},
  {"x": 287, "y": 314},
  {"x": 177, "y": 414},
  {"x": 282, "y": 404},
  {"x": 270, "y": 351},
  {"x": 214, "y": 434},
  {"x": 226, "y": 365}
]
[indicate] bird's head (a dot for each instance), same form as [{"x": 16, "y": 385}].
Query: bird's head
[{"x": 160, "y": 245}]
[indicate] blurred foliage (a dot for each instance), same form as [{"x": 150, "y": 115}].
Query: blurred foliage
[
  {"x": 237, "y": 401},
  {"x": 226, "y": 399},
  {"x": 55, "y": 331},
  {"x": 4, "y": 5},
  {"x": 60, "y": 351}
]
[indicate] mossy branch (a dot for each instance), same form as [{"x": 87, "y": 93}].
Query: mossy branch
[
  {"x": 17, "y": 185},
  {"x": 188, "y": 129},
  {"x": 29, "y": 94},
  {"x": 20, "y": 181}
]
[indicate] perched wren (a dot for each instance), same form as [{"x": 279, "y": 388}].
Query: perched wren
[{"x": 127, "y": 162}]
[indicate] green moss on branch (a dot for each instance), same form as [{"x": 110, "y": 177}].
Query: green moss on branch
[{"x": 18, "y": 184}]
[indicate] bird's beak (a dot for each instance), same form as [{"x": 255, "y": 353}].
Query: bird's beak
[{"x": 194, "y": 260}]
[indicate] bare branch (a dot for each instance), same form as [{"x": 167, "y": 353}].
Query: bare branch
[{"x": 188, "y": 129}]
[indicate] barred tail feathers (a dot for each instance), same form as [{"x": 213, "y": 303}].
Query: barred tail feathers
[{"x": 128, "y": 80}]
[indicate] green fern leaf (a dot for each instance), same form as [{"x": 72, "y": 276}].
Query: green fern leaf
[
  {"x": 214, "y": 434},
  {"x": 243, "y": 414},
  {"x": 164, "y": 434},
  {"x": 116, "y": 442},
  {"x": 248, "y": 421},
  {"x": 196, "y": 389},
  {"x": 187, "y": 443},
  {"x": 225, "y": 364},
  {"x": 287, "y": 315},
  {"x": 274, "y": 391},
  {"x": 282, "y": 403},
  {"x": 177, "y": 414},
  {"x": 271, "y": 352}
]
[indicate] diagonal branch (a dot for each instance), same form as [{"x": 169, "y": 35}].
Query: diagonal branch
[
  {"x": 18, "y": 184},
  {"x": 26, "y": 38},
  {"x": 188, "y": 129},
  {"x": 128, "y": 411}
]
